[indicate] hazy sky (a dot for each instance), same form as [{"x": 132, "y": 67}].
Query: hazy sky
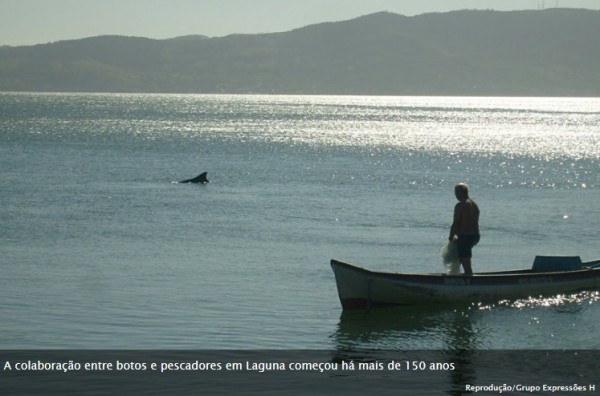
[{"x": 25, "y": 22}]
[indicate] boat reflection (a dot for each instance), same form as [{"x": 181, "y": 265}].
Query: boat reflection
[
  {"x": 463, "y": 336},
  {"x": 442, "y": 334},
  {"x": 409, "y": 328}
]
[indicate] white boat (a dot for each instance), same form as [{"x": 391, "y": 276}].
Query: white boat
[{"x": 359, "y": 288}]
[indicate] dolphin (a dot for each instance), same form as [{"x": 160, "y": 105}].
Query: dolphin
[{"x": 201, "y": 178}]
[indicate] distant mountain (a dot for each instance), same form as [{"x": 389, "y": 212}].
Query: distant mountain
[{"x": 554, "y": 52}]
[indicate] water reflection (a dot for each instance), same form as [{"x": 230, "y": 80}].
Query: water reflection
[
  {"x": 458, "y": 327},
  {"x": 409, "y": 328},
  {"x": 464, "y": 336},
  {"x": 441, "y": 334}
]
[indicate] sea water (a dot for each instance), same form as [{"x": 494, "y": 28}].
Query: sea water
[{"x": 101, "y": 248}]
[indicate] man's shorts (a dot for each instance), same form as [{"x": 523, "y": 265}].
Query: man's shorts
[{"x": 465, "y": 244}]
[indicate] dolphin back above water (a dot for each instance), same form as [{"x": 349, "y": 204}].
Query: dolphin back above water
[{"x": 201, "y": 178}]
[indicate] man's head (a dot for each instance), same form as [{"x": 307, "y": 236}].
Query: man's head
[{"x": 461, "y": 190}]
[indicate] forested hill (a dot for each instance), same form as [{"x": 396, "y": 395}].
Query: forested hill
[{"x": 554, "y": 52}]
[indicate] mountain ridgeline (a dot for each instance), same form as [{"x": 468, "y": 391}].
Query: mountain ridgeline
[{"x": 554, "y": 52}]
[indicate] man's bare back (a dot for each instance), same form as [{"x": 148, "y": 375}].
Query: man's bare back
[{"x": 466, "y": 217}]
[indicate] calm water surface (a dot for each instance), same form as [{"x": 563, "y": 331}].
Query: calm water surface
[{"x": 101, "y": 248}]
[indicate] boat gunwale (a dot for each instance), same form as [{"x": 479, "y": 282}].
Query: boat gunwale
[{"x": 481, "y": 277}]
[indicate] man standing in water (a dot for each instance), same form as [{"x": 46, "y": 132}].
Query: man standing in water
[{"x": 465, "y": 226}]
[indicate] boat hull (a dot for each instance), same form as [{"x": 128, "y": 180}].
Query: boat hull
[{"x": 359, "y": 288}]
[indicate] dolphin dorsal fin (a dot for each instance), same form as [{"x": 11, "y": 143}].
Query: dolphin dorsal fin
[{"x": 201, "y": 178}]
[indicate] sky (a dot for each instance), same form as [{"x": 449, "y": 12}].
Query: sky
[{"x": 29, "y": 22}]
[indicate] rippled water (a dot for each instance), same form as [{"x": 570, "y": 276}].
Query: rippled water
[{"x": 102, "y": 249}]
